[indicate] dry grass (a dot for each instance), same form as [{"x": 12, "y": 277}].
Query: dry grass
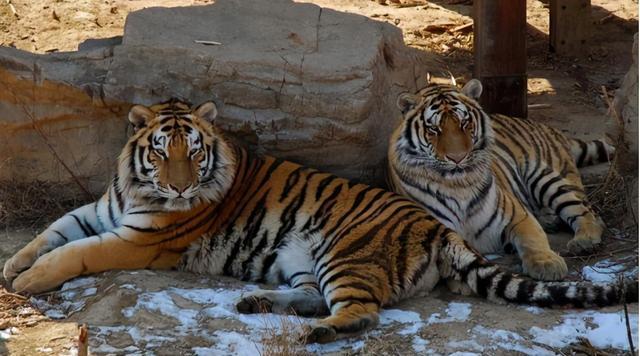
[
  {"x": 284, "y": 339},
  {"x": 16, "y": 311},
  {"x": 613, "y": 199},
  {"x": 35, "y": 204}
]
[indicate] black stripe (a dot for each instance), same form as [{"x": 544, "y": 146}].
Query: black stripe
[
  {"x": 602, "y": 151},
  {"x": 84, "y": 229},
  {"x": 300, "y": 273},
  {"x": 252, "y": 256},
  {"x": 292, "y": 180},
  {"x": 361, "y": 287},
  {"x": 66, "y": 239},
  {"x": 481, "y": 194},
  {"x": 562, "y": 190},
  {"x": 566, "y": 204},
  {"x": 545, "y": 187},
  {"x": 583, "y": 146}
]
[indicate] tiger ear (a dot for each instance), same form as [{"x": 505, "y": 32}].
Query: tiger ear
[
  {"x": 139, "y": 116},
  {"x": 207, "y": 111},
  {"x": 473, "y": 89},
  {"x": 406, "y": 102}
]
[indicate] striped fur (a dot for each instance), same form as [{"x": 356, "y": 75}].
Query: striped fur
[
  {"x": 346, "y": 249},
  {"x": 488, "y": 177}
]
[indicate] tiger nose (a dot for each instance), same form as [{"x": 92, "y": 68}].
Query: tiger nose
[
  {"x": 457, "y": 157},
  {"x": 180, "y": 189}
]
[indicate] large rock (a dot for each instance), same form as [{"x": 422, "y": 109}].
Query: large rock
[
  {"x": 626, "y": 102},
  {"x": 626, "y": 105},
  {"x": 297, "y": 81}
]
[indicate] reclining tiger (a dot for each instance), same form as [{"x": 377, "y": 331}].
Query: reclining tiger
[
  {"x": 485, "y": 176},
  {"x": 186, "y": 197}
]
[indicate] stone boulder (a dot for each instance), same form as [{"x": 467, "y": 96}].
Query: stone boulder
[
  {"x": 626, "y": 105},
  {"x": 626, "y": 102},
  {"x": 297, "y": 81}
]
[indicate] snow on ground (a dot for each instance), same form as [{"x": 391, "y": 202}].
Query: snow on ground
[
  {"x": 190, "y": 311},
  {"x": 604, "y": 330},
  {"x": 606, "y": 271},
  {"x": 73, "y": 294}
]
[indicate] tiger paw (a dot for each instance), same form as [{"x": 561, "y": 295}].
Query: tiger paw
[
  {"x": 24, "y": 259},
  {"x": 586, "y": 238},
  {"x": 47, "y": 273},
  {"x": 319, "y": 333},
  {"x": 545, "y": 265},
  {"x": 20, "y": 262},
  {"x": 252, "y": 303}
]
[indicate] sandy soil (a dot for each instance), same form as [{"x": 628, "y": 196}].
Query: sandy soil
[{"x": 571, "y": 86}]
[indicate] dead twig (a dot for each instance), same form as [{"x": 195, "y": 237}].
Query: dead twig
[
  {"x": 624, "y": 287},
  {"x": 83, "y": 340},
  {"x": 465, "y": 27},
  {"x": 538, "y": 106},
  {"x": 208, "y": 43},
  {"x": 606, "y": 18},
  {"x": 12, "y": 9}
]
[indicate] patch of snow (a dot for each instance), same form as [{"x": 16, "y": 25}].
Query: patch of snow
[
  {"x": 531, "y": 351},
  {"x": 45, "y": 350},
  {"x": 465, "y": 345},
  {"x": 498, "y": 334},
  {"x": 162, "y": 303},
  {"x": 8, "y": 333},
  {"x": 89, "y": 292},
  {"x": 455, "y": 312},
  {"x": 336, "y": 346},
  {"x": 391, "y": 316},
  {"x": 229, "y": 343},
  {"x": 606, "y": 271},
  {"x": 419, "y": 344},
  {"x": 464, "y": 353},
  {"x": 130, "y": 287},
  {"x": 608, "y": 330},
  {"x": 55, "y": 314},
  {"x": 534, "y": 310},
  {"x": 78, "y": 283}
]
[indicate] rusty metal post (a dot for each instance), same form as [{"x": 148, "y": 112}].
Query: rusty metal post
[{"x": 500, "y": 55}]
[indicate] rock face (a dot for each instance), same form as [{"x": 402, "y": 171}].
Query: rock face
[
  {"x": 626, "y": 101},
  {"x": 297, "y": 81},
  {"x": 626, "y": 104}
]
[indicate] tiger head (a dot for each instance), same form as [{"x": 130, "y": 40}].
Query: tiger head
[
  {"x": 444, "y": 130},
  {"x": 176, "y": 158}
]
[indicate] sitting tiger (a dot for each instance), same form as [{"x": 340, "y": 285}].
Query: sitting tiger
[
  {"x": 485, "y": 176},
  {"x": 186, "y": 197}
]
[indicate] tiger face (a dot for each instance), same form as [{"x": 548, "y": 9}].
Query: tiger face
[
  {"x": 444, "y": 129},
  {"x": 176, "y": 157}
]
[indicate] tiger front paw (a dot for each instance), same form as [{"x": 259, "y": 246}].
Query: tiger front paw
[
  {"x": 545, "y": 266},
  {"x": 47, "y": 273},
  {"x": 586, "y": 238},
  {"x": 24, "y": 259}
]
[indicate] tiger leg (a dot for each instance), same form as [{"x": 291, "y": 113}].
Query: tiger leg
[
  {"x": 538, "y": 259},
  {"x": 303, "y": 301},
  {"x": 565, "y": 196},
  {"x": 78, "y": 224},
  {"x": 110, "y": 250},
  {"x": 354, "y": 293}
]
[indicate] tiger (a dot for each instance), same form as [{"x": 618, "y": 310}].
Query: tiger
[
  {"x": 185, "y": 196},
  {"x": 492, "y": 178}
]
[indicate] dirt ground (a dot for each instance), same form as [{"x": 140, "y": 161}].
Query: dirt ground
[{"x": 570, "y": 88}]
